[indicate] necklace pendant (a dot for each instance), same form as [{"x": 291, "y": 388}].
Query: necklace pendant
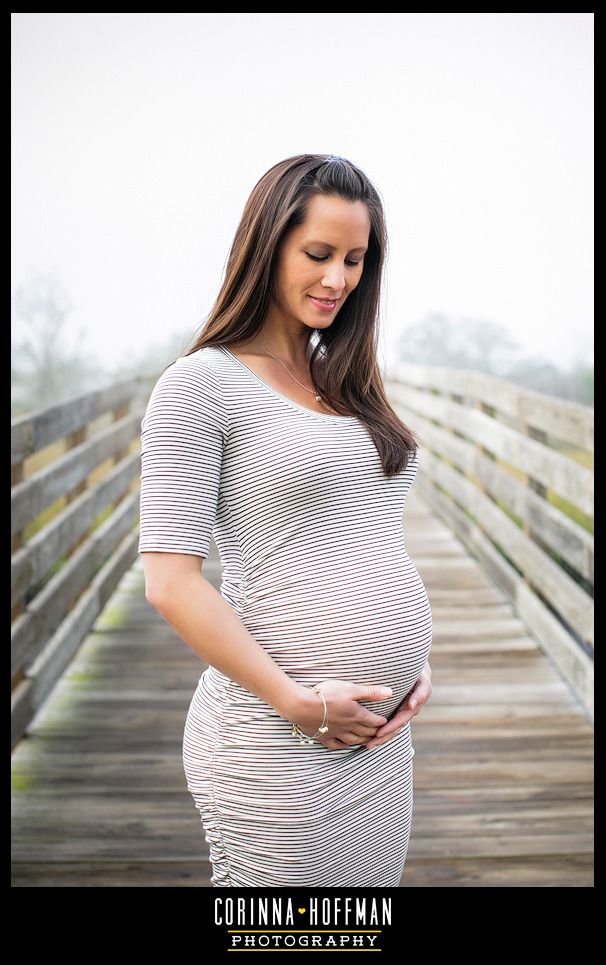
[{"x": 318, "y": 398}]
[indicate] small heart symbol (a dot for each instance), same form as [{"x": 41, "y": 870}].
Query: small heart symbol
[{"x": 301, "y": 911}]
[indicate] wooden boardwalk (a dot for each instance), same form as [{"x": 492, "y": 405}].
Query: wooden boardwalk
[{"x": 503, "y": 768}]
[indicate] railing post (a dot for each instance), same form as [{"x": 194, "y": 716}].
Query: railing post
[
  {"x": 72, "y": 441},
  {"x": 17, "y": 538},
  {"x": 541, "y": 490},
  {"x": 532, "y": 483}
]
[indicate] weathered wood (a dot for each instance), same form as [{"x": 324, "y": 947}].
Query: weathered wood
[
  {"x": 35, "y": 430},
  {"x": 565, "y": 476},
  {"x": 16, "y": 535},
  {"x": 503, "y": 771},
  {"x": 511, "y": 872},
  {"x": 466, "y": 424},
  {"x": 503, "y": 765},
  {"x": 575, "y": 605},
  {"x": 45, "y": 613},
  {"x": 188, "y": 872},
  {"x": 61, "y": 461},
  {"x": 555, "y": 529},
  {"x": 50, "y": 663},
  {"x": 573, "y": 662},
  {"x": 569, "y": 421},
  {"x": 30, "y": 497},
  {"x": 33, "y": 561}
]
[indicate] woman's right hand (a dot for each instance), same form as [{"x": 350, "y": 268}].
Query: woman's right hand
[{"x": 348, "y": 721}]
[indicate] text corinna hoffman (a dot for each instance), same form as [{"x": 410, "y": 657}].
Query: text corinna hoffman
[{"x": 305, "y": 913}]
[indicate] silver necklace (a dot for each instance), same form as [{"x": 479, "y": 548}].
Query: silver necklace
[{"x": 318, "y": 398}]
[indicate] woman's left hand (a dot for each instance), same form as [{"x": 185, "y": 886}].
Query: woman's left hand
[{"x": 409, "y": 708}]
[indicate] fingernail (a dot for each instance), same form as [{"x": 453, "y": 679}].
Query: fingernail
[{"x": 413, "y": 703}]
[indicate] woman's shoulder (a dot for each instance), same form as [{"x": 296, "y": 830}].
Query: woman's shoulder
[
  {"x": 191, "y": 383},
  {"x": 202, "y": 368},
  {"x": 205, "y": 359}
]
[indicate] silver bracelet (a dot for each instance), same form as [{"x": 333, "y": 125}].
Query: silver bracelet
[{"x": 322, "y": 729}]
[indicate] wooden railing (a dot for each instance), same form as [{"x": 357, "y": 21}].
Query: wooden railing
[
  {"x": 511, "y": 472},
  {"x": 74, "y": 505},
  {"x": 503, "y": 465}
]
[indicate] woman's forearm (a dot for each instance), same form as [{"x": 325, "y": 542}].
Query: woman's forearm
[{"x": 208, "y": 624}]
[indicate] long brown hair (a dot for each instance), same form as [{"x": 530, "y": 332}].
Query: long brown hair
[{"x": 348, "y": 347}]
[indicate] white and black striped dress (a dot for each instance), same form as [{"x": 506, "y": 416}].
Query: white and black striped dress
[{"x": 314, "y": 563}]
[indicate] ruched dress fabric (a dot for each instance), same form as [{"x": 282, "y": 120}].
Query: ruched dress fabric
[{"x": 311, "y": 538}]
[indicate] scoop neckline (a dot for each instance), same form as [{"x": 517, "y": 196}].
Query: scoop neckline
[{"x": 285, "y": 398}]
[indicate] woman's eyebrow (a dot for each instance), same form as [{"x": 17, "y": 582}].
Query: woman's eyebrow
[{"x": 333, "y": 247}]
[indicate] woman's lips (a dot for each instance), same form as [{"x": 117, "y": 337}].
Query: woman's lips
[{"x": 324, "y": 305}]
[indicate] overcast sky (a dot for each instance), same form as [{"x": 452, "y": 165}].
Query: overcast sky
[{"x": 137, "y": 138}]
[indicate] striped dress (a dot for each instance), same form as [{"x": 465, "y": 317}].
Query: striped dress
[{"x": 314, "y": 563}]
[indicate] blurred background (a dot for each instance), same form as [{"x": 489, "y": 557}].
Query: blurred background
[
  {"x": 137, "y": 138},
  {"x": 136, "y": 141}
]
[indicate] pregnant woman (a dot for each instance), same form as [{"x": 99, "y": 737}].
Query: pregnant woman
[{"x": 273, "y": 435}]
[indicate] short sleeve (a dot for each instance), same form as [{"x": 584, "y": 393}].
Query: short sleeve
[{"x": 183, "y": 434}]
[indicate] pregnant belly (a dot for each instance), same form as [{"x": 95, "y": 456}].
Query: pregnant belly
[{"x": 374, "y": 629}]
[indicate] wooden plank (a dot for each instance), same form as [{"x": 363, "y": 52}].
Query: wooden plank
[
  {"x": 558, "y": 472},
  {"x": 36, "y": 430},
  {"x": 31, "y": 693},
  {"x": 188, "y": 872},
  {"x": 550, "y": 524},
  {"x": 32, "y": 562},
  {"x": 544, "y": 871},
  {"x": 539, "y": 569},
  {"x": 574, "y": 663},
  {"x": 476, "y": 846},
  {"x": 569, "y": 421},
  {"x": 43, "y": 616},
  {"x": 34, "y": 495}
]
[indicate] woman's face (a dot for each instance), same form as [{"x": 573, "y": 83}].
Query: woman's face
[{"x": 321, "y": 261}]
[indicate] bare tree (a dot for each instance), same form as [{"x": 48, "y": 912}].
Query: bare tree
[
  {"x": 576, "y": 384},
  {"x": 485, "y": 346},
  {"x": 45, "y": 368},
  {"x": 475, "y": 344}
]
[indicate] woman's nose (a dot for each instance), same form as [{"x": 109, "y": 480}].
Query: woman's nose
[{"x": 334, "y": 278}]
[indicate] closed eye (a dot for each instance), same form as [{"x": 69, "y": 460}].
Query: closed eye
[{"x": 352, "y": 264}]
